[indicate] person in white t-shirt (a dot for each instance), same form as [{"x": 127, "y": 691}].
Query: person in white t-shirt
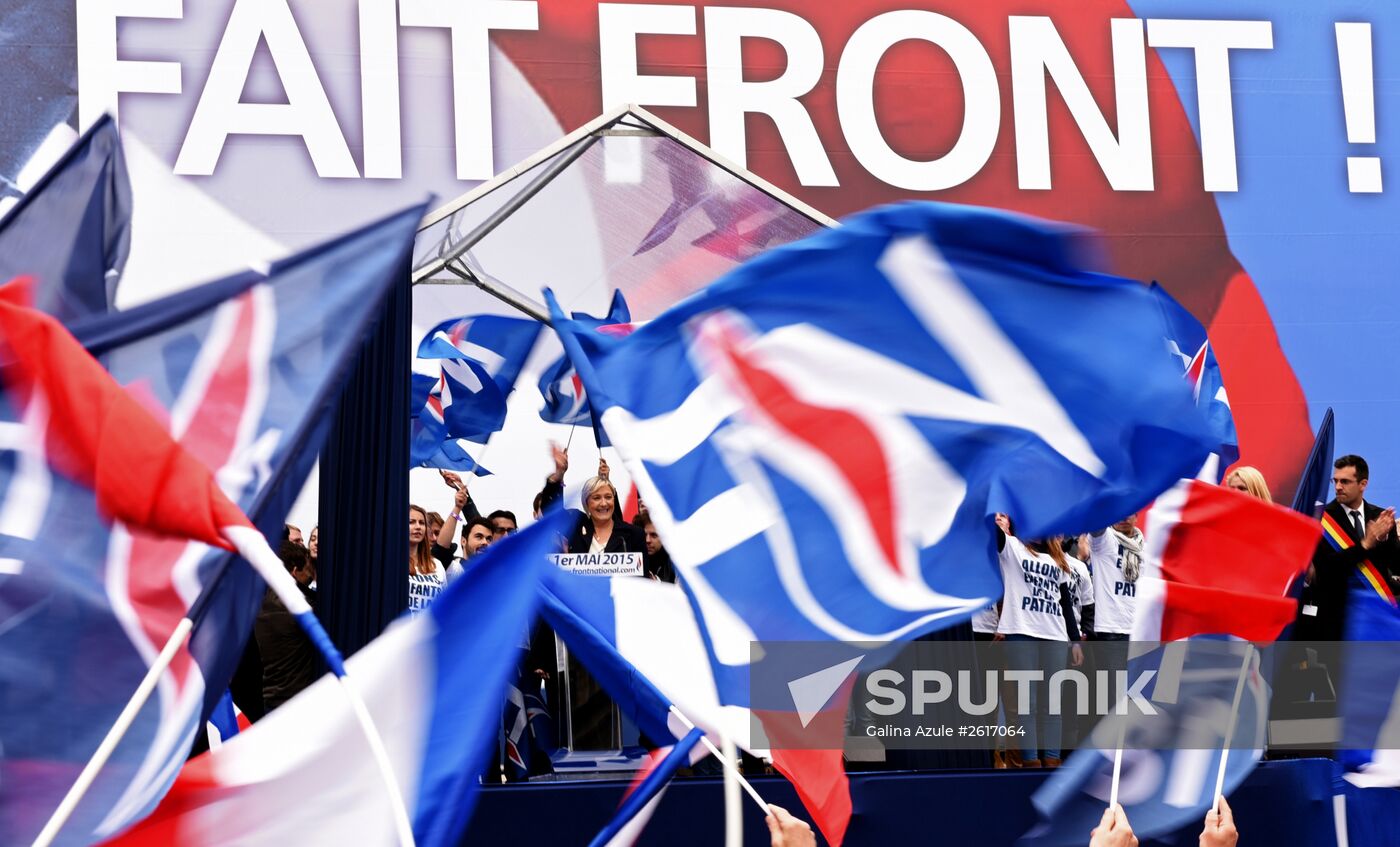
[
  {"x": 1081, "y": 596},
  {"x": 1037, "y": 619},
  {"x": 1115, "y": 561},
  {"x": 1081, "y": 592},
  {"x": 984, "y": 623},
  {"x": 426, "y": 575}
]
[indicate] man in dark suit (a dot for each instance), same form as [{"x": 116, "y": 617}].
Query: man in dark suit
[{"x": 1370, "y": 531}]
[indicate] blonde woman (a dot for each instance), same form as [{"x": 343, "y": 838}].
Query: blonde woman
[
  {"x": 1250, "y": 481},
  {"x": 598, "y": 529}
]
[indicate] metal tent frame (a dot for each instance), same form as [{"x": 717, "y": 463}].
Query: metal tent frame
[{"x": 544, "y": 166}]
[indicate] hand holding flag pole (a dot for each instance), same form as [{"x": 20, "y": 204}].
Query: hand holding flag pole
[{"x": 99, "y": 435}]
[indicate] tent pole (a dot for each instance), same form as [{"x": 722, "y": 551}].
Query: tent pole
[
  {"x": 504, "y": 292},
  {"x": 496, "y": 218}
]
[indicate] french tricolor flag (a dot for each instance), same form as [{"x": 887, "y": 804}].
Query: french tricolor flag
[
  {"x": 645, "y": 792},
  {"x": 433, "y": 684},
  {"x": 1225, "y": 560}
]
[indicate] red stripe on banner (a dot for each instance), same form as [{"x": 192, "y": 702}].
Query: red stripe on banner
[
  {"x": 811, "y": 758},
  {"x": 1193, "y": 370},
  {"x": 1174, "y": 233},
  {"x": 1190, "y": 610},
  {"x": 189, "y": 794},
  {"x": 1333, "y": 532},
  {"x": 1270, "y": 410},
  {"x": 1235, "y": 542},
  {"x": 842, "y": 437},
  {"x": 100, "y": 436},
  {"x": 1372, "y": 575},
  {"x": 211, "y": 436}
]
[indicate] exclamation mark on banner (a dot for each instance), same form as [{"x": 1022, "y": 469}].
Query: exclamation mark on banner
[{"x": 1359, "y": 104}]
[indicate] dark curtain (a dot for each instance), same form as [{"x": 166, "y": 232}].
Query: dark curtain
[{"x": 362, "y": 568}]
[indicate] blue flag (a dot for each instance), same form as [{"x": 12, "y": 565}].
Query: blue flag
[
  {"x": 72, "y": 231},
  {"x": 1370, "y": 687},
  {"x": 644, "y": 792},
  {"x": 224, "y": 718},
  {"x": 1188, "y": 344},
  {"x": 243, "y": 370},
  {"x": 565, "y": 400},
  {"x": 499, "y": 344},
  {"x": 433, "y": 685},
  {"x": 431, "y": 445},
  {"x": 822, "y": 435},
  {"x": 1315, "y": 483},
  {"x": 580, "y": 610},
  {"x": 526, "y": 723},
  {"x": 484, "y": 609},
  {"x": 480, "y": 357},
  {"x": 1170, "y": 759}
]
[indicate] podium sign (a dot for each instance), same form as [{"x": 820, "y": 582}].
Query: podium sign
[{"x": 600, "y": 564}]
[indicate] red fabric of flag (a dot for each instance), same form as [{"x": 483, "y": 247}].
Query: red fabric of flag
[
  {"x": 99, "y": 435},
  {"x": 1191, "y": 610},
  {"x": 812, "y": 759},
  {"x": 1234, "y": 542}
]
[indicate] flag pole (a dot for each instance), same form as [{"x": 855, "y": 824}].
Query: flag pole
[
  {"x": 729, "y": 765},
  {"x": 1230, "y": 727},
  {"x": 1118, "y": 762},
  {"x": 733, "y": 817},
  {"x": 253, "y": 547},
  {"x": 114, "y": 735}
]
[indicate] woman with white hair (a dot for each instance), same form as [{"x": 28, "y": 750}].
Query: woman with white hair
[{"x": 598, "y": 528}]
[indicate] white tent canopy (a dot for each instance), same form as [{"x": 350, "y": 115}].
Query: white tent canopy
[{"x": 625, "y": 202}]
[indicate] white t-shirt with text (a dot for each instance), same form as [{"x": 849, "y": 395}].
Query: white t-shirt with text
[
  {"x": 1115, "y": 598},
  {"x": 1081, "y": 589},
  {"x": 1030, "y": 602},
  {"x": 423, "y": 589}
]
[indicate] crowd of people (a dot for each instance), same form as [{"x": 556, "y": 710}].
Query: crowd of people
[
  {"x": 1057, "y": 593},
  {"x": 598, "y": 526}
]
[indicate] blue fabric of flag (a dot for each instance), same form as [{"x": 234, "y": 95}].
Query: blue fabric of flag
[
  {"x": 430, "y": 444},
  {"x": 823, "y": 435},
  {"x": 473, "y": 405},
  {"x": 487, "y": 607},
  {"x": 580, "y": 610},
  {"x": 248, "y": 365},
  {"x": 72, "y": 230},
  {"x": 1188, "y": 343},
  {"x": 565, "y": 399},
  {"x": 224, "y": 718},
  {"x": 499, "y": 344},
  {"x": 1170, "y": 760},
  {"x": 1315, "y": 483},
  {"x": 481, "y": 358},
  {"x": 1370, "y": 676},
  {"x": 677, "y": 758}
]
